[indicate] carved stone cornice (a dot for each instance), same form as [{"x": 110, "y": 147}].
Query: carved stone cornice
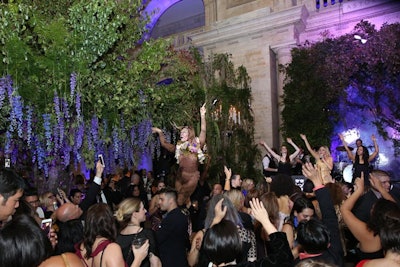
[{"x": 253, "y": 23}]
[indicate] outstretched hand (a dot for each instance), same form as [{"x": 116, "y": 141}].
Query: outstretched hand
[
  {"x": 220, "y": 210},
  {"x": 258, "y": 210},
  {"x": 311, "y": 173},
  {"x": 99, "y": 169},
  {"x": 263, "y": 143},
  {"x": 155, "y": 130},
  {"x": 260, "y": 214},
  {"x": 375, "y": 182},
  {"x": 303, "y": 136},
  {"x": 228, "y": 172},
  {"x": 203, "y": 110},
  {"x": 359, "y": 183}
]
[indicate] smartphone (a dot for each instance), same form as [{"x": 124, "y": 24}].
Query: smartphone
[
  {"x": 46, "y": 226},
  {"x": 7, "y": 163},
  {"x": 60, "y": 193},
  {"x": 101, "y": 160}
]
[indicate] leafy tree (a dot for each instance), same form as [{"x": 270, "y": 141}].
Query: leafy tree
[{"x": 343, "y": 72}]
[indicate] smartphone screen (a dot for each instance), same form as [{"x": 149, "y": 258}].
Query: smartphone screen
[{"x": 46, "y": 226}]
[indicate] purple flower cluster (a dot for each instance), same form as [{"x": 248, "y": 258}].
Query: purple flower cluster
[
  {"x": 29, "y": 114},
  {"x": 47, "y": 131},
  {"x": 116, "y": 141},
  {"x": 66, "y": 157},
  {"x": 144, "y": 131},
  {"x": 72, "y": 85},
  {"x": 40, "y": 154},
  {"x": 7, "y": 146},
  {"x": 65, "y": 107},
  {"x": 57, "y": 130},
  {"x": 9, "y": 86},
  {"x": 79, "y": 135},
  {"x": 94, "y": 129},
  {"x": 78, "y": 106},
  {"x": 5, "y": 83},
  {"x": 17, "y": 114}
]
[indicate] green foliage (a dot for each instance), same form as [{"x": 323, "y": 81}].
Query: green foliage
[
  {"x": 229, "y": 143},
  {"x": 119, "y": 78},
  {"x": 319, "y": 75}
]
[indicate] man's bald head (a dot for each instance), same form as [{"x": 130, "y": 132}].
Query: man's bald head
[{"x": 68, "y": 211}]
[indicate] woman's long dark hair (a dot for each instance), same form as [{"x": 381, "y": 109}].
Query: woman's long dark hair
[
  {"x": 23, "y": 243},
  {"x": 378, "y": 217},
  {"x": 365, "y": 156},
  {"x": 99, "y": 222}
]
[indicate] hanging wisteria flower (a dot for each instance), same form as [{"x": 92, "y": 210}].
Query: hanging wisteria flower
[
  {"x": 65, "y": 107},
  {"x": 78, "y": 106},
  {"x": 40, "y": 154},
  {"x": 29, "y": 113},
  {"x": 9, "y": 86},
  {"x": 17, "y": 114},
  {"x": 115, "y": 139},
  {"x": 94, "y": 129},
  {"x": 79, "y": 135},
  {"x": 7, "y": 147},
  {"x": 3, "y": 89},
  {"x": 66, "y": 154},
  {"x": 47, "y": 131},
  {"x": 56, "y": 132},
  {"x": 72, "y": 84}
]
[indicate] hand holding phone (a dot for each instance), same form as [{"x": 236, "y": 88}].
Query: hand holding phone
[
  {"x": 101, "y": 159},
  {"x": 46, "y": 226}
]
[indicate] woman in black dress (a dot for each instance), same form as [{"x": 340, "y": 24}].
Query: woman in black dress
[{"x": 130, "y": 215}]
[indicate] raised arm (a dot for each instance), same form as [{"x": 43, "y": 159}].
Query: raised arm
[
  {"x": 163, "y": 141},
  {"x": 276, "y": 156},
  {"x": 297, "y": 149},
  {"x": 357, "y": 227},
  {"x": 203, "y": 125},
  {"x": 376, "y": 149},
  {"x": 309, "y": 148},
  {"x": 228, "y": 175},
  {"x": 280, "y": 254},
  {"x": 377, "y": 185},
  {"x": 329, "y": 217},
  {"x": 349, "y": 154}
]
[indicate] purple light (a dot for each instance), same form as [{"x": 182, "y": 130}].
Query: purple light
[{"x": 158, "y": 7}]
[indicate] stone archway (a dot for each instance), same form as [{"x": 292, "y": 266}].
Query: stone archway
[{"x": 173, "y": 16}]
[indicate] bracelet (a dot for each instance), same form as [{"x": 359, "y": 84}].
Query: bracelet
[{"x": 318, "y": 187}]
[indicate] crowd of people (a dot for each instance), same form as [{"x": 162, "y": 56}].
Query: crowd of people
[{"x": 133, "y": 219}]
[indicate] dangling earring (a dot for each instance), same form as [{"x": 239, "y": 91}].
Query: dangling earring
[{"x": 295, "y": 222}]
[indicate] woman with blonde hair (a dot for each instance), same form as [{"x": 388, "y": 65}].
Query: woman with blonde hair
[
  {"x": 323, "y": 160},
  {"x": 188, "y": 153},
  {"x": 48, "y": 201},
  {"x": 130, "y": 215}
]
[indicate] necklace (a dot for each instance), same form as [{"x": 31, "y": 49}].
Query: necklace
[{"x": 137, "y": 231}]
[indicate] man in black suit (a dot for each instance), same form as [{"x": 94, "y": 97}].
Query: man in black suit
[
  {"x": 363, "y": 206},
  {"x": 172, "y": 235}
]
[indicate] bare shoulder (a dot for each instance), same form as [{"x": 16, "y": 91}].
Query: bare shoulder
[
  {"x": 73, "y": 260},
  {"x": 66, "y": 259},
  {"x": 113, "y": 248}
]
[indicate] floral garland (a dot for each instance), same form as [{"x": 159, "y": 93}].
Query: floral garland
[{"x": 190, "y": 148}]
